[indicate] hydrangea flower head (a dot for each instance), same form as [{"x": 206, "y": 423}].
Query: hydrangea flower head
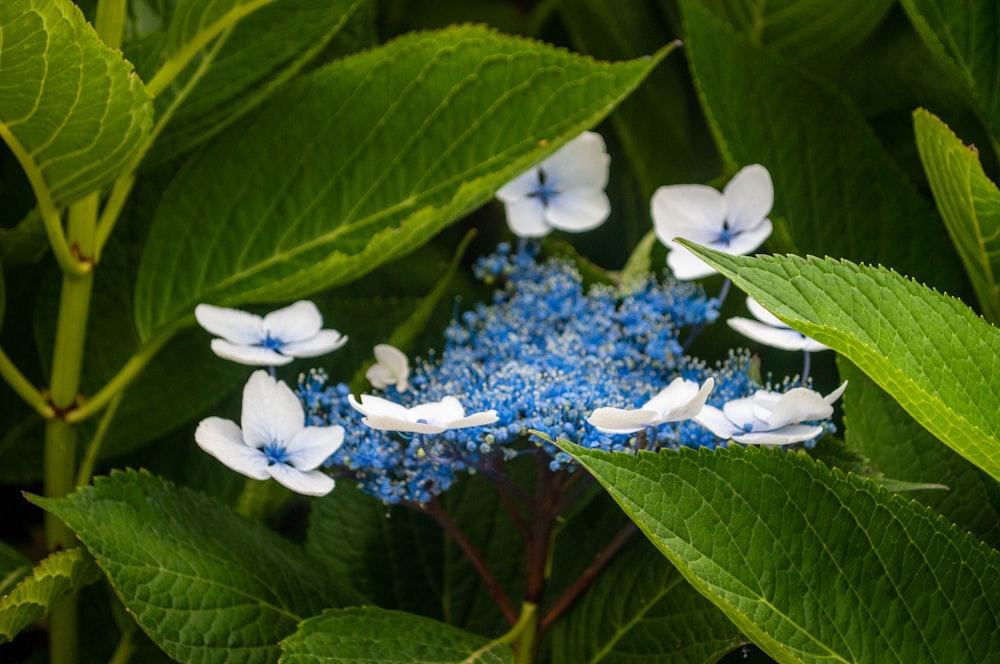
[
  {"x": 734, "y": 221},
  {"x": 272, "y": 340},
  {"x": 564, "y": 192},
  {"x": 435, "y": 417},
  {"x": 770, "y": 331},
  {"x": 680, "y": 400},
  {"x": 391, "y": 368},
  {"x": 273, "y": 440},
  {"x": 771, "y": 418}
]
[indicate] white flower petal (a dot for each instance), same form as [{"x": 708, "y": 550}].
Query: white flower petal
[
  {"x": 296, "y": 322},
  {"x": 741, "y": 244},
  {"x": 684, "y": 401},
  {"x": 522, "y": 186},
  {"x": 798, "y": 405},
  {"x": 578, "y": 210},
  {"x": 749, "y": 197},
  {"x": 479, "y": 419},
  {"x": 526, "y": 217},
  {"x": 321, "y": 343},
  {"x": 313, "y": 445},
  {"x": 686, "y": 265},
  {"x": 389, "y": 423},
  {"x": 391, "y": 367},
  {"x": 238, "y": 327},
  {"x": 442, "y": 412},
  {"x": 833, "y": 396},
  {"x": 762, "y": 314},
  {"x": 619, "y": 420},
  {"x": 224, "y": 440},
  {"x": 746, "y": 411},
  {"x": 271, "y": 411},
  {"x": 311, "y": 483},
  {"x": 795, "y": 433},
  {"x": 692, "y": 211},
  {"x": 377, "y": 406},
  {"x": 716, "y": 421},
  {"x": 254, "y": 356},
  {"x": 582, "y": 162},
  {"x": 784, "y": 338}
]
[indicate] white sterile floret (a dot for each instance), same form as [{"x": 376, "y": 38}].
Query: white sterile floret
[
  {"x": 433, "y": 417},
  {"x": 272, "y": 340},
  {"x": 770, "y": 331},
  {"x": 564, "y": 192},
  {"x": 734, "y": 221},
  {"x": 391, "y": 368},
  {"x": 273, "y": 440},
  {"x": 680, "y": 400},
  {"x": 771, "y": 418}
]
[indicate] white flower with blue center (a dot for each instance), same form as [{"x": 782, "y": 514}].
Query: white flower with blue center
[
  {"x": 771, "y": 418},
  {"x": 564, "y": 192},
  {"x": 680, "y": 400},
  {"x": 430, "y": 418},
  {"x": 769, "y": 330},
  {"x": 391, "y": 368},
  {"x": 272, "y": 340},
  {"x": 273, "y": 440},
  {"x": 734, "y": 221}
]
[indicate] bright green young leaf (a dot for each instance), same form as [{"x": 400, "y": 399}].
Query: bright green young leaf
[
  {"x": 899, "y": 447},
  {"x": 930, "y": 352},
  {"x": 363, "y": 635},
  {"x": 963, "y": 36},
  {"x": 840, "y": 191},
  {"x": 811, "y": 564},
  {"x": 642, "y": 610},
  {"x": 56, "y": 576},
  {"x": 969, "y": 203},
  {"x": 71, "y": 110},
  {"x": 803, "y": 29},
  {"x": 197, "y": 577},
  {"x": 262, "y": 52},
  {"x": 363, "y": 161}
]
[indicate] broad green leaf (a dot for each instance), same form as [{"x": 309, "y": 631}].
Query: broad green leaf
[
  {"x": 58, "y": 575},
  {"x": 841, "y": 193},
  {"x": 195, "y": 23},
  {"x": 368, "y": 634},
  {"x": 964, "y": 37},
  {"x": 899, "y": 447},
  {"x": 197, "y": 577},
  {"x": 71, "y": 109},
  {"x": 929, "y": 351},
  {"x": 969, "y": 203},
  {"x": 804, "y": 29},
  {"x": 14, "y": 566},
  {"x": 260, "y": 53},
  {"x": 642, "y": 610},
  {"x": 363, "y": 161},
  {"x": 811, "y": 564}
]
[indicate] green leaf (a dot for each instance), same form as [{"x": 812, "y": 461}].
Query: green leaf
[
  {"x": 195, "y": 22},
  {"x": 14, "y": 566},
  {"x": 197, "y": 577},
  {"x": 969, "y": 203},
  {"x": 71, "y": 109},
  {"x": 929, "y": 351},
  {"x": 642, "y": 610},
  {"x": 842, "y": 194},
  {"x": 811, "y": 564},
  {"x": 804, "y": 29},
  {"x": 964, "y": 37},
  {"x": 369, "y": 634},
  {"x": 366, "y": 159},
  {"x": 260, "y": 53},
  {"x": 900, "y": 448},
  {"x": 58, "y": 575}
]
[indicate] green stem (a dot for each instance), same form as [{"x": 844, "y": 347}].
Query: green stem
[
  {"x": 109, "y": 21},
  {"x": 23, "y": 387},
  {"x": 521, "y": 635},
  {"x": 86, "y": 471}
]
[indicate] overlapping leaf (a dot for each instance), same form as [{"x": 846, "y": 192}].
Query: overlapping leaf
[
  {"x": 930, "y": 352},
  {"x": 811, "y": 564},
  {"x": 969, "y": 203},
  {"x": 71, "y": 109},
  {"x": 840, "y": 191},
  {"x": 964, "y": 36},
  {"x": 59, "y": 574},
  {"x": 200, "y": 580},
  {"x": 370, "y": 634},
  {"x": 363, "y": 161}
]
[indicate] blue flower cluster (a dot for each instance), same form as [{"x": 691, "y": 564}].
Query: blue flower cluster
[{"x": 544, "y": 354}]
